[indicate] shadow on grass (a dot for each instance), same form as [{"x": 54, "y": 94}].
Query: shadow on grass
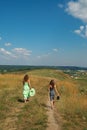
[{"x": 21, "y": 100}]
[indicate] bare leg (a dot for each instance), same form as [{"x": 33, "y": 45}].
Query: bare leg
[
  {"x": 25, "y": 100},
  {"x": 52, "y": 104}
]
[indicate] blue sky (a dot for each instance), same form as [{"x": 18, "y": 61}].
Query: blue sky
[{"x": 43, "y": 32}]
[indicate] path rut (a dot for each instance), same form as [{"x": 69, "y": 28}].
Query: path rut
[{"x": 52, "y": 123}]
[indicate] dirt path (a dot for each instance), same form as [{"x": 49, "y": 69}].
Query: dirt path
[{"x": 52, "y": 123}]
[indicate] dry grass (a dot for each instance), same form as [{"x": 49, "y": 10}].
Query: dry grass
[
  {"x": 72, "y": 106},
  {"x": 14, "y": 114}
]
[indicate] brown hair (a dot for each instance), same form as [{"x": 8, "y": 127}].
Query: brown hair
[
  {"x": 26, "y": 77},
  {"x": 52, "y": 83}
]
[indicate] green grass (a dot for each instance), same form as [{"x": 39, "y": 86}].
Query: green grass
[
  {"x": 49, "y": 73},
  {"x": 71, "y": 108},
  {"x": 14, "y": 114}
]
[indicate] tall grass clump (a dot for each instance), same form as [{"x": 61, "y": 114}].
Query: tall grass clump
[{"x": 72, "y": 106}]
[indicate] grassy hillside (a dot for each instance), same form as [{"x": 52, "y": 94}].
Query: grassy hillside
[{"x": 16, "y": 115}]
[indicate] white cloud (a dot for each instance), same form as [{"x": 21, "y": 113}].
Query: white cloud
[
  {"x": 56, "y": 50},
  {"x": 4, "y": 52},
  {"x": 7, "y": 54},
  {"x": 82, "y": 31},
  {"x": 43, "y": 56},
  {"x": 86, "y": 31},
  {"x": 0, "y": 38},
  {"x": 22, "y": 51},
  {"x": 78, "y": 9},
  {"x": 38, "y": 57},
  {"x": 18, "y": 53},
  {"x": 77, "y": 31},
  {"x": 81, "y": 28},
  {"x": 48, "y": 54},
  {"x": 60, "y": 5},
  {"x": 8, "y": 44}
]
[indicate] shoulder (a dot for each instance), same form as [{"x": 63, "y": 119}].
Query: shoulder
[
  {"x": 55, "y": 86},
  {"x": 50, "y": 86},
  {"x": 28, "y": 80}
]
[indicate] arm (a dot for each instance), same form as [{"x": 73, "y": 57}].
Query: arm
[
  {"x": 29, "y": 84},
  {"x": 56, "y": 91},
  {"x": 48, "y": 88}
]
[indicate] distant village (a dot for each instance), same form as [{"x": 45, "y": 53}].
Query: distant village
[
  {"x": 72, "y": 71},
  {"x": 76, "y": 74}
]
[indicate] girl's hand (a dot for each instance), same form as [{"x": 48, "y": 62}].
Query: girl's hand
[{"x": 58, "y": 97}]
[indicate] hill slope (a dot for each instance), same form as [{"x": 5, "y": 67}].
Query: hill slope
[{"x": 14, "y": 114}]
